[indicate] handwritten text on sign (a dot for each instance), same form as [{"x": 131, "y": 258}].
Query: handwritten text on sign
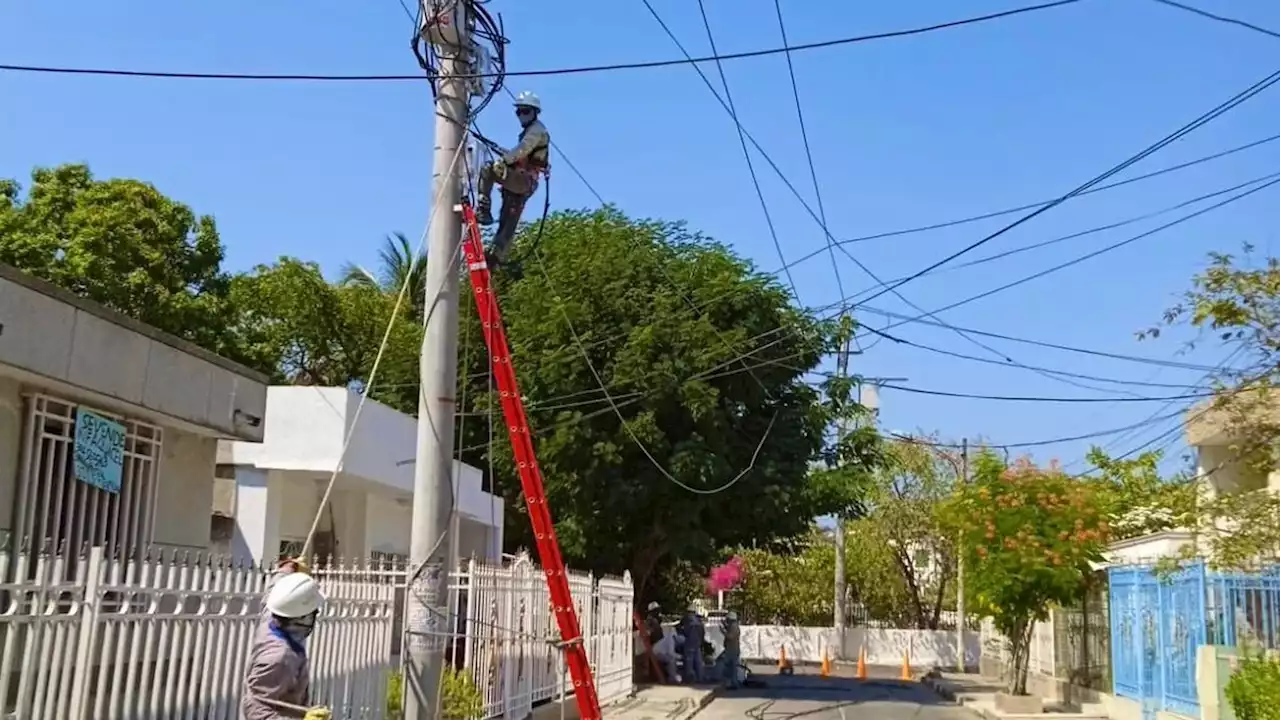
[{"x": 99, "y": 451}]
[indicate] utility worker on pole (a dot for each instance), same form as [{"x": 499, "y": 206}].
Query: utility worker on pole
[
  {"x": 277, "y": 681},
  {"x": 517, "y": 173}
]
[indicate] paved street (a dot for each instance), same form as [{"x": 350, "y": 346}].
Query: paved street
[{"x": 806, "y": 696}]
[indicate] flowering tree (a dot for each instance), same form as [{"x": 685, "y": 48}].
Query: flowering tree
[
  {"x": 1028, "y": 534},
  {"x": 725, "y": 577}
]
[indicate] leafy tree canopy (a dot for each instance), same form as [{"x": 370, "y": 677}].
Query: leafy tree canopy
[
  {"x": 702, "y": 357},
  {"x": 1236, "y": 301},
  {"x": 124, "y": 244}
]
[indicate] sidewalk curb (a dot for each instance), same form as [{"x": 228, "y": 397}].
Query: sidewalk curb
[{"x": 704, "y": 701}]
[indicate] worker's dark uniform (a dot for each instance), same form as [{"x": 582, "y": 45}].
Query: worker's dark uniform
[{"x": 523, "y": 164}]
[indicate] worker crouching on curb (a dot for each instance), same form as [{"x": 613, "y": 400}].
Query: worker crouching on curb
[{"x": 277, "y": 682}]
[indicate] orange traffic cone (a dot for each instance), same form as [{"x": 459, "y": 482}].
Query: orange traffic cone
[
  {"x": 906, "y": 665},
  {"x": 784, "y": 665},
  {"x": 862, "y": 663},
  {"x": 826, "y": 664}
]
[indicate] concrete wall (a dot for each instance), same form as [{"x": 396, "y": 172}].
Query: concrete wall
[
  {"x": 927, "y": 648},
  {"x": 123, "y": 365},
  {"x": 185, "y": 491}
]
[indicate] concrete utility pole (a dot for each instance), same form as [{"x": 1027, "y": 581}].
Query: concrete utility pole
[
  {"x": 430, "y": 547},
  {"x": 960, "y": 610},
  {"x": 841, "y": 613}
]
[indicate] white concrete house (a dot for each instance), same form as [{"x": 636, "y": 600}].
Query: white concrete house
[
  {"x": 159, "y": 405},
  {"x": 268, "y": 492}
]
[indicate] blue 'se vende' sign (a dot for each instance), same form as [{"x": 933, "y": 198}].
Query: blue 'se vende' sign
[{"x": 98, "y": 454}]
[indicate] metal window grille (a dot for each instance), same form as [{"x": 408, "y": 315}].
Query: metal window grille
[{"x": 53, "y": 509}]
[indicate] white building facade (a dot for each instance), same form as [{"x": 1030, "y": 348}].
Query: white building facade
[
  {"x": 268, "y": 493},
  {"x": 65, "y": 360}
]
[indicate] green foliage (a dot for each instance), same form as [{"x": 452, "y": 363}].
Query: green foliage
[
  {"x": 398, "y": 262},
  {"x": 1237, "y": 302},
  {"x": 1136, "y": 500},
  {"x": 461, "y": 699},
  {"x": 1254, "y": 690},
  {"x": 124, "y": 244},
  {"x": 312, "y": 332},
  {"x": 1028, "y": 536},
  {"x": 395, "y": 696},
  {"x": 629, "y": 287},
  {"x": 788, "y": 589},
  {"x": 905, "y": 502}
]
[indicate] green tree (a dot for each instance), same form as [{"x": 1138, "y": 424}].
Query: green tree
[
  {"x": 309, "y": 331},
  {"x": 904, "y": 502},
  {"x": 1028, "y": 535},
  {"x": 398, "y": 263},
  {"x": 124, "y": 244},
  {"x": 1236, "y": 302},
  {"x": 668, "y": 319},
  {"x": 787, "y": 588},
  {"x": 1136, "y": 499}
]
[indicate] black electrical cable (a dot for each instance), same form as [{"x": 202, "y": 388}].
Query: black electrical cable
[
  {"x": 1039, "y": 398},
  {"x": 1185, "y": 130},
  {"x": 1220, "y": 18},
  {"x": 746, "y": 154},
  {"x": 727, "y": 104},
  {"x": 1095, "y": 253},
  {"x": 536, "y": 73}
]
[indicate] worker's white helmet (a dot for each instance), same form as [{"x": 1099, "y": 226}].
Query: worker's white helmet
[
  {"x": 528, "y": 99},
  {"x": 295, "y": 595},
  {"x": 731, "y": 615},
  {"x": 654, "y": 606}
]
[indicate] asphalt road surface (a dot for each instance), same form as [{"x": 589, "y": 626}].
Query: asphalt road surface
[{"x": 806, "y": 696}]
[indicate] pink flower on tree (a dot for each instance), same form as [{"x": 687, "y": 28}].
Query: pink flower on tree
[{"x": 726, "y": 576}]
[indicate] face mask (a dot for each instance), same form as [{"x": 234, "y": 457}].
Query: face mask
[
  {"x": 301, "y": 629},
  {"x": 525, "y": 116}
]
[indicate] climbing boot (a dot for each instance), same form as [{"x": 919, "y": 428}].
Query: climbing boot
[{"x": 484, "y": 214}]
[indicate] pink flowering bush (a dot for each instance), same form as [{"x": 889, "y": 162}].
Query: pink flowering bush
[{"x": 725, "y": 577}]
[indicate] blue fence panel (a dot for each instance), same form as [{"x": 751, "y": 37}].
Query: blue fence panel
[
  {"x": 1126, "y": 639},
  {"x": 1244, "y": 608},
  {"x": 1182, "y": 631},
  {"x": 1159, "y": 620}
]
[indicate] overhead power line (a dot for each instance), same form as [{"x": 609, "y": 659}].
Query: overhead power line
[
  {"x": 726, "y": 103},
  {"x": 536, "y": 73},
  {"x": 1081, "y": 258},
  {"x": 1055, "y": 346},
  {"x": 1206, "y": 118},
  {"x": 1040, "y": 398},
  {"x": 1220, "y": 18}
]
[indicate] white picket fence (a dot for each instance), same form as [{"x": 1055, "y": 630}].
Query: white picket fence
[
  {"x": 510, "y": 635},
  {"x": 167, "y": 637}
]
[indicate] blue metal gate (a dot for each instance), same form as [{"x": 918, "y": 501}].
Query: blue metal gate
[{"x": 1157, "y": 622}]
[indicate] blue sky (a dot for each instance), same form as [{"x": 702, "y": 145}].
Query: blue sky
[{"x": 905, "y": 132}]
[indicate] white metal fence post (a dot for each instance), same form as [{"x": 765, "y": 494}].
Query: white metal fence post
[{"x": 89, "y": 607}]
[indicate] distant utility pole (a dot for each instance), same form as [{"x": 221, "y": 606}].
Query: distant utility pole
[
  {"x": 960, "y": 610},
  {"x": 444, "y": 26},
  {"x": 842, "y": 430}
]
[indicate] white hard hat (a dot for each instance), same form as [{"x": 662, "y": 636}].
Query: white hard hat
[
  {"x": 731, "y": 615},
  {"x": 295, "y": 595},
  {"x": 528, "y": 99},
  {"x": 693, "y": 607},
  {"x": 654, "y": 605}
]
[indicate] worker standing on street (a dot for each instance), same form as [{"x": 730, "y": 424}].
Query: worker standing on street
[
  {"x": 694, "y": 633},
  {"x": 516, "y": 171},
  {"x": 732, "y": 655},
  {"x": 277, "y": 681}
]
